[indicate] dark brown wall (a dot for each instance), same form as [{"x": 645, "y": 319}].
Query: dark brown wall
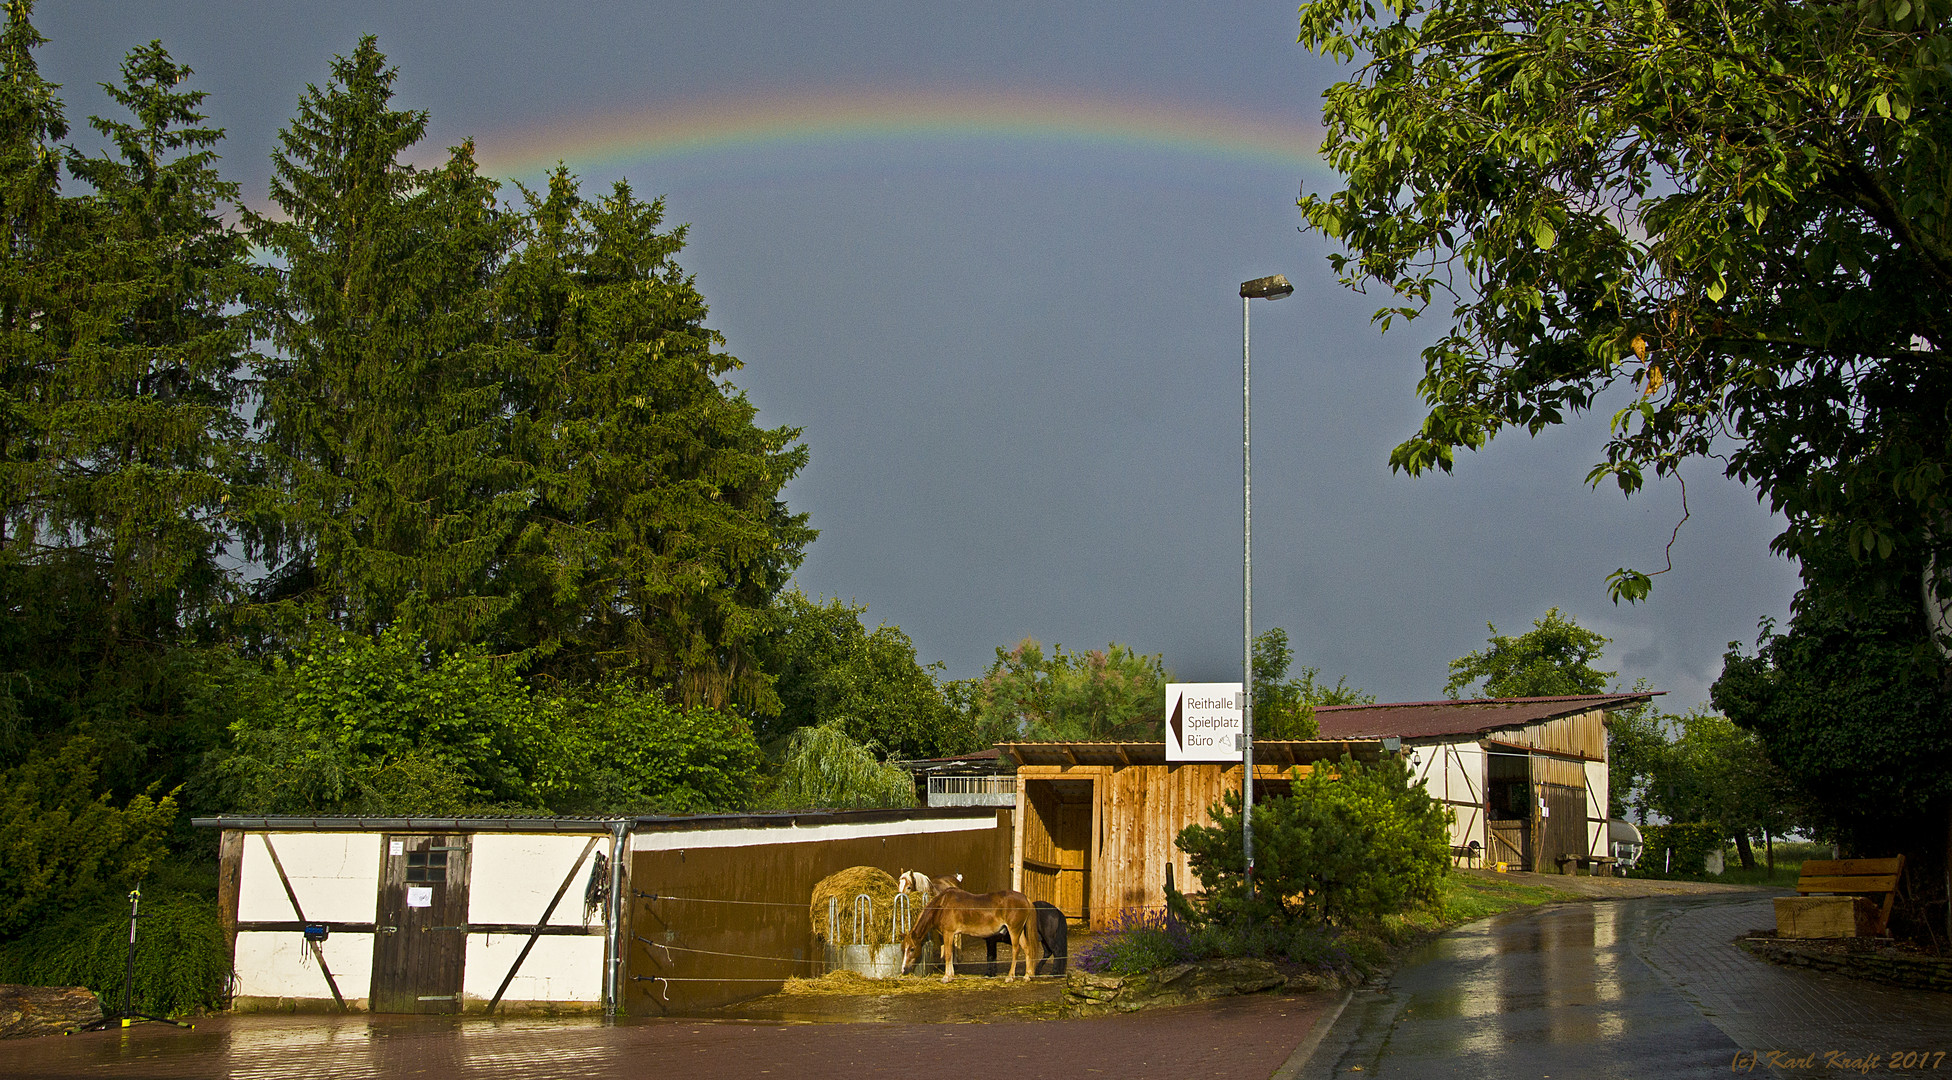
[{"x": 770, "y": 926}]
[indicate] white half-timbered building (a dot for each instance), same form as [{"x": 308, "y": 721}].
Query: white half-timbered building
[{"x": 1525, "y": 777}]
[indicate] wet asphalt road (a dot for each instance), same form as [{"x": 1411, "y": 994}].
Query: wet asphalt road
[{"x": 1634, "y": 988}]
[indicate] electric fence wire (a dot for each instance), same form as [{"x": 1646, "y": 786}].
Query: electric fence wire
[{"x": 706, "y": 900}]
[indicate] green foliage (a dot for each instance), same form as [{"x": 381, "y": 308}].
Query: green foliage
[
  {"x": 1137, "y": 941},
  {"x": 1852, "y": 705},
  {"x": 1716, "y": 772},
  {"x": 378, "y": 726},
  {"x": 386, "y": 727},
  {"x": 824, "y": 769},
  {"x": 829, "y": 667},
  {"x": 1107, "y": 694},
  {"x": 1728, "y": 223},
  {"x": 1690, "y": 842},
  {"x": 623, "y": 750},
  {"x": 118, "y": 370},
  {"x": 182, "y": 962},
  {"x": 63, "y": 842},
  {"x": 1284, "y": 708},
  {"x": 506, "y": 426},
  {"x": 1352, "y": 842},
  {"x": 1553, "y": 659}
]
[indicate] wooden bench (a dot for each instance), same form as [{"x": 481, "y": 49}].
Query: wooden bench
[
  {"x": 1570, "y": 865},
  {"x": 1839, "y": 898}
]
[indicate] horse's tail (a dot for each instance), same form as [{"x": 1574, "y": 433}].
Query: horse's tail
[{"x": 1050, "y": 924}]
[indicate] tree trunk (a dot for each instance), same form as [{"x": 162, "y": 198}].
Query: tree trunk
[
  {"x": 1742, "y": 846},
  {"x": 46, "y": 1010},
  {"x": 1769, "y": 844}
]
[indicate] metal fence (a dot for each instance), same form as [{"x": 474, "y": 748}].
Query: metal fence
[{"x": 972, "y": 791}]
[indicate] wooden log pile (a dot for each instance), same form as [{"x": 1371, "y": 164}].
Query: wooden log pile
[{"x": 46, "y": 1010}]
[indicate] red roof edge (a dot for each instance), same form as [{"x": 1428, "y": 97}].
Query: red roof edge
[{"x": 1623, "y": 696}]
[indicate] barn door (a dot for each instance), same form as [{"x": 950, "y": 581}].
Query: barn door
[
  {"x": 1057, "y": 845},
  {"x": 420, "y": 939}
]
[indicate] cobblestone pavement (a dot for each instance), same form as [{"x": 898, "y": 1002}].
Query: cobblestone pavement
[
  {"x": 1801, "y": 1015},
  {"x": 1650, "y": 987},
  {"x": 1234, "y": 1039}
]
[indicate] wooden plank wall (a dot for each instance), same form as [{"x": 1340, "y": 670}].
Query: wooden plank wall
[
  {"x": 1581, "y": 736},
  {"x": 769, "y": 930},
  {"x": 1562, "y": 785},
  {"x": 1140, "y": 811}
]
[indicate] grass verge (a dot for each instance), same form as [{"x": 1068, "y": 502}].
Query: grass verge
[{"x": 1375, "y": 947}]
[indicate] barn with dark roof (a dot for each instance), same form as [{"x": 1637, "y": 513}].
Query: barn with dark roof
[{"x": 1525, "y": 777}]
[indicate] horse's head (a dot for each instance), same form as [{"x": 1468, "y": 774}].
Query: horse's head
[
  {"x": 917, "y": 936},
  {"x": 911, "y": 950}
]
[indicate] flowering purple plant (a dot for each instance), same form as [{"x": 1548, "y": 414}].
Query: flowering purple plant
[{"x": 1140, "y": 939}]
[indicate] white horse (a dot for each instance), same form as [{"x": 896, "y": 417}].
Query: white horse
[{"x": 924, "y": 886}]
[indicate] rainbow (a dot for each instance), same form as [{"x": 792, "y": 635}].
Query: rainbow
[{"x": 700, "y": 129}]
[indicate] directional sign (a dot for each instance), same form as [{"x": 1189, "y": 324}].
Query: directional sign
[{"x": 1203, "y": 721}]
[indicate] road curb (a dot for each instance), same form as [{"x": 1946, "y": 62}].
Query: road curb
[{"x": 1297, "y": 1061}]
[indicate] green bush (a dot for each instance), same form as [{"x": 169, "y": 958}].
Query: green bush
[
  {"x": 1690, "y": 841},
  {"x": 181, "y": 963},
  {"x": 384, "y": 725},
  {"x": 62, "y": 844},
  {"x": 1353, "y": 841}
]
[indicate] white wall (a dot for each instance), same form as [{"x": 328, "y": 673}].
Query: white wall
[
  {"x": 1596, "y": 797},
  {"x": 1454, "y": 774},
  {"x": 794, "y": 834},
  {"x": 567, "y": 969},
  {"x": 278, "y": 964},
  {"x": 511, "y": 877},
  {"x": 335, "y": 875}
]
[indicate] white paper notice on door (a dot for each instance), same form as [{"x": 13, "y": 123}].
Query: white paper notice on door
[
  {"x": 420, "y": 896},
  {"x": 396, "y": 847}
]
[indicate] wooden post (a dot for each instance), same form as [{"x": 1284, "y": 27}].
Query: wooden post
[{"x": 230, "y": 877}]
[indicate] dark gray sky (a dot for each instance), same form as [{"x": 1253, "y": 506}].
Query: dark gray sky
[{"x": 1017, "y": 361}]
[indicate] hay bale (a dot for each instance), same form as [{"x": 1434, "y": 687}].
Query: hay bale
[{"x": 846, "y": 885}]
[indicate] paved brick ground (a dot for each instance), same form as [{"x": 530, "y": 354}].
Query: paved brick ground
[
  {"x": 1237, "y": 1039},
  {"x": 1640, "y": 988},
  {"x": 1799, "y": 1013}
]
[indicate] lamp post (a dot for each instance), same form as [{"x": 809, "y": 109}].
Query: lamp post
[{"x": 1267, "y": 288}]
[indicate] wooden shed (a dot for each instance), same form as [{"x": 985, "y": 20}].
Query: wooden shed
[
  {"x": 644, "y": 915},
  {"x": 1096, "y": 820},
  {"x": 1526, "y": 777},
  {"x": 421, "y": 914}
]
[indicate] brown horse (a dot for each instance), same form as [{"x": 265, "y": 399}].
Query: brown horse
[{"x": 953, "y": 913}]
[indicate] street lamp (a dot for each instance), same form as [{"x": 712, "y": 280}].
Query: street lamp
[{"x": 1267, "y": 288}]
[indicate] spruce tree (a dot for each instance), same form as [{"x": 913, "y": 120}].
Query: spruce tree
[
  {"x": 32, "y": 320},
  {"x": 118, "y": 369},
  {"x": 382, "y": 407},
  {"x": 145, "y": 424},
  {"x": 658, "y": 503}
]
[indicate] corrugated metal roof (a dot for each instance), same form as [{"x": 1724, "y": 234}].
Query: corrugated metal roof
[
  {"x": 1280, "y": 753},
  {"x": 545, "y": 823},
  {"x": 1432, "y": 719}
]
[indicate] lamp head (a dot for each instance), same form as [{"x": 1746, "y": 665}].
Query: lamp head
[{"x": 1267, "y": 288}]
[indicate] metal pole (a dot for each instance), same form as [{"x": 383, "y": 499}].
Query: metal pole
[{"x": 1247, "y": 594}]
